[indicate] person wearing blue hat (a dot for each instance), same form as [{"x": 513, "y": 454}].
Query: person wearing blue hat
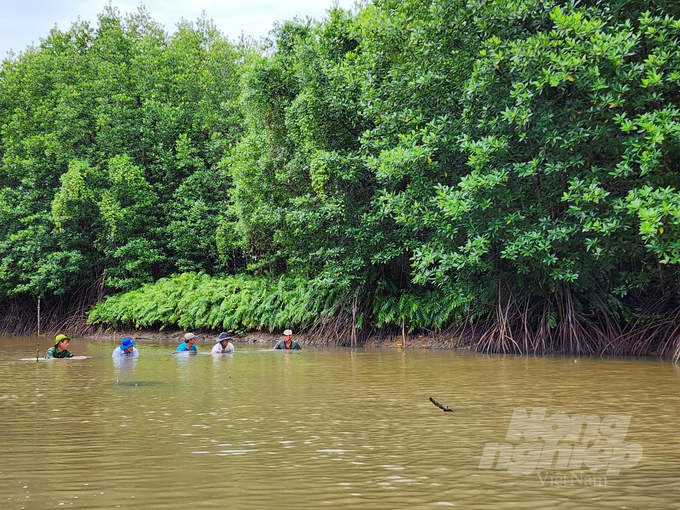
[
  {"x": 126, "y": 349},
  {"x": 222, "y": 345}
]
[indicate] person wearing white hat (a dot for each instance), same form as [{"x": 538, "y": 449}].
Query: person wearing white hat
[
  {"x": 188, "y": 344},
  {"x": 288, "y": 343},
  {"x": 222, "y": 345}
]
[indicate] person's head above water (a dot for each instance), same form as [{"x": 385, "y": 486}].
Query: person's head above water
[
  {"x": 223, "y": 339},
  {"x": 61, "y": 342},
  {"x": 189, "y": 339},
  {"x": 127, "y": 345}
]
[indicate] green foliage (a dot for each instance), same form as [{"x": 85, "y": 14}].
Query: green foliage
[
  {"x": 109, "y": 133},
  {"x": 300, "y": 188},
  {"x": 431, "y": 162},
  {"x": 237, "y": 303},
  {"x": 436, "y": 309},
  {"x": 567, "y": 130}
]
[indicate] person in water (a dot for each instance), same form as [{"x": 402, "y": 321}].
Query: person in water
[
  {"x": 59, "y": 349},
  {"x": 288, "y": 343},
  {"x": 126, "y": 349},
  {"x": 188, "y": 344},
  {"x": 222, "y": 345}
]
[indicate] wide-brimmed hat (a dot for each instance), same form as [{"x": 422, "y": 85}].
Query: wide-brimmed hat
[
  {"x": 223, "y": 336},
  {"x": 288, "y": 332},
  {"x": 126, "y": 343},
  {"x": 189, "y": 336},
  {"x": 60, "y": 338}
]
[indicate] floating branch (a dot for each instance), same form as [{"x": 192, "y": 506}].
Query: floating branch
[{"x": 444, "y": 408}]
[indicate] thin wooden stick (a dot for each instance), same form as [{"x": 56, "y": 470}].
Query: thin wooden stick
[
  {"x": 444, "y": 408},
  {"x": 37, "y": 340}
]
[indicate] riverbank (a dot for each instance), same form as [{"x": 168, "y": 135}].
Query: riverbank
[
  {"x": 441, "y": 341},
  {"x": 266, "y": 338}
]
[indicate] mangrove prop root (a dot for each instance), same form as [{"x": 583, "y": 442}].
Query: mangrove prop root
[{"x": 444, "y": 408}]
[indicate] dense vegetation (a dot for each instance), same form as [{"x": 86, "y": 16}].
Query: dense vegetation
[{"x": 501, "y": 172}]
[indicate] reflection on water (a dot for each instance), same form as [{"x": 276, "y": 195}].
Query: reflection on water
[{"x": 314, "y": 429}]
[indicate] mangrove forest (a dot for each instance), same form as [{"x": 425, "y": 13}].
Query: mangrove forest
[{"x": 499, "y": 174}]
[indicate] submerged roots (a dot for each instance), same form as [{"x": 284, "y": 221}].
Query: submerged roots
[{"x": 526, "y": 326}]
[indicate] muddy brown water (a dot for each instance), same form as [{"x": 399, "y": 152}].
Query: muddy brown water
[{"x": 331, "y": 428}]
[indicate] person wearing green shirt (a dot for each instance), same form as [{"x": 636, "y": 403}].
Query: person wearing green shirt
[
  {"x": 288, "y": 343},
  {"x": 60, "y": 348}
]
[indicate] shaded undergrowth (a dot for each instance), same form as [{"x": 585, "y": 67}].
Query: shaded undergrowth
[
  {"x": 25, "y": 315},
  {"x": 522, "y": 324}
]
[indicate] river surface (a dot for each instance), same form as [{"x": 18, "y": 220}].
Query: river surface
[{"x": 326, "y": 428}]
